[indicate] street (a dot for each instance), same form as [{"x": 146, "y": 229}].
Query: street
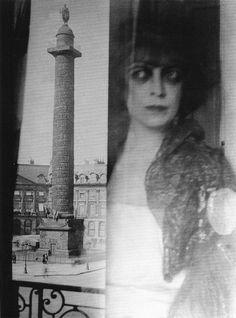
[{"x": 67, "y": 274}]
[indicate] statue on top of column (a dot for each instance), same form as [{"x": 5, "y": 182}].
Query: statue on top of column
[{"x": 65, "y": 14}]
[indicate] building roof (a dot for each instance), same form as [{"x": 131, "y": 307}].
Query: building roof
[
  {"x": 34, "y": 173},
  {"x": 39, "y": 173},
  {"x": 89, "y": 168}
]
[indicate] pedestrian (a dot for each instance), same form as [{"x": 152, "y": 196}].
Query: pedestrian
[
  {"x": 87, "y": 265},
  {"x": 44, "y": 258},
  {"x": 45, "y": 267}
]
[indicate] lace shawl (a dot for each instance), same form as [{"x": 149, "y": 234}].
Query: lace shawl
[{"x": 180, "y": 179}]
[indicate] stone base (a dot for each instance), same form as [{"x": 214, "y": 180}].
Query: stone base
[{"x": 61, "y": 237}]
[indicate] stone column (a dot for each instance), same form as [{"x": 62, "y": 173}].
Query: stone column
[
  {"x": 62, "y": 233},
  {"x": 63, "y": 123}
]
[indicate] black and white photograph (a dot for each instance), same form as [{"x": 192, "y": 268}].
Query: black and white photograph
[
  {"x": 119, "y": 158},
  {"x": 59, "y": 198}
]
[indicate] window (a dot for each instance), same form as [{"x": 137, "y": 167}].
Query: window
[
  {"x": 28, "y": 227},
  {"x": 40, "y": 207},
  {"x": 102, "y": 209},
  {"x": 29, "y": 206},
  {"x": 29, "y": 196},
  {"x": 17, "y": 196},
  {"x": 82, "y": 195},
  {"x": 92, "y": 210},
  {"x": 82, "y": 210},
  {"x": 41, "y": 193},
  {"x": 17, "y": 205},
  {"x": 101, "y": 231},
  {"x": 92, "y": 195},
  {"x": 82, "y": 179},
  {"x": 91, "y": 228}
]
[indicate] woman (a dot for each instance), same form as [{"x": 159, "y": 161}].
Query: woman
[{"x": 169, "y": 251}]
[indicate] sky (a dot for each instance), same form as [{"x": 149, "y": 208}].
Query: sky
[{"x": 89, "y": 21}]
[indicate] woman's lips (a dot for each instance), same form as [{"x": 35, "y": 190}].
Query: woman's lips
[{"x": 159, "y": 108}]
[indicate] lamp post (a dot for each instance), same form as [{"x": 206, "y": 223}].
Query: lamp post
[
  {"x": 87, "y": 246},
  {"x": 25, "y": 247}
]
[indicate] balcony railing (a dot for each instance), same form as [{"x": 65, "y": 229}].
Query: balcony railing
[{"x": 59, "y": 301}]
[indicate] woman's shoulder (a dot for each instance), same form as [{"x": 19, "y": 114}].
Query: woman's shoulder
[
  {"x": 187, "y": 153},
  {"x": 206, "y": 164},
  {"x": 188, "y": 141},
  {"x": 200, "y": 152}
]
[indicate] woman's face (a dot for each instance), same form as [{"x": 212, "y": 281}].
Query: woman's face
[{"x": 154, "y": 92}]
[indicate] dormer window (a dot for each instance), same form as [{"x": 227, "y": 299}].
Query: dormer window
[{"x": 82, "y": 179}]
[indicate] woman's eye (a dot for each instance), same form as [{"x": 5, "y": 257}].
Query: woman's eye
[
  {"x": 140, "y": 75},
  {"x": 173, "y": 75}
]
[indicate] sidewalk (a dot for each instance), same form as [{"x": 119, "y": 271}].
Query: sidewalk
[
  {"x": 65, "y": 274},
  {"x": 33, "y": 256},
  {"x": 73, "y": 269}
]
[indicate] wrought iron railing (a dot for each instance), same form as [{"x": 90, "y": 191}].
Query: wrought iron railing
[{"x": 38, "y": 300}]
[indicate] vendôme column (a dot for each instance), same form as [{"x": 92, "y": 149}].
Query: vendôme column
[
  {"x": 62, "y": 234},
  {"x": 63, "y": 122}
]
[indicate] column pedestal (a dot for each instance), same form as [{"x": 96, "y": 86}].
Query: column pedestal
[{"x": 63, "y": 237}]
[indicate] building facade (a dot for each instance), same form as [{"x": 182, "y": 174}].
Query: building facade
[
  {"x": 32, "y": 199},
  {"x": 90, "y": 203}
]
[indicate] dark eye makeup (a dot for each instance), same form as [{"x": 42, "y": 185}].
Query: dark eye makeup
[
  {"x": 172, "y": 74},
  {"x": 141, "y": 73}
]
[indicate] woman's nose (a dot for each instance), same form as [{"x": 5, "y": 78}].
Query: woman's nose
[{"x": 157, "y": 86}]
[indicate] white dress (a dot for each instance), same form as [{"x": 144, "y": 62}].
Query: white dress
[{"x": 135, "y": 285}]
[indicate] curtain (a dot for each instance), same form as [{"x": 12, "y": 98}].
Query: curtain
[{"x": 15, "y": 19}]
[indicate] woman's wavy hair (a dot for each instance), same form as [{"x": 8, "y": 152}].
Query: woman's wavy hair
[
  {"x": 208, "y": 284},
  {"x": 172, "y": 35}
]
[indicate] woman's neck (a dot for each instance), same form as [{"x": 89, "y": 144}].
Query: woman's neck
[
  {"x": 143, "y": 139},
  {"x": 127, "y": 182}
]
